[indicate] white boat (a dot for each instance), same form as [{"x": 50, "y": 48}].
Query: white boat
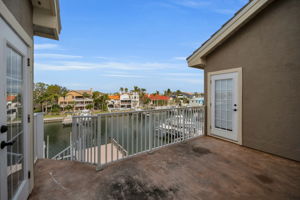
[
  {"x": 176, "y": 126},
  {"x": 67, "y": 121}
]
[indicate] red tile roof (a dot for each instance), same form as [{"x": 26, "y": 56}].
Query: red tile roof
[
  {"x": 114, "y": 97},
  {"x": 10, "y": 98},
  {"x": 154, "y": 97}
]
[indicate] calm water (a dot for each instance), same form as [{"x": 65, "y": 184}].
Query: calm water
[
  {"x": 131, "y": 132},
  {"x": 59, "y": 137}
]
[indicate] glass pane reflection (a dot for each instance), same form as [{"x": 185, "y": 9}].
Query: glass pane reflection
[{"x": 14, "y": 106}]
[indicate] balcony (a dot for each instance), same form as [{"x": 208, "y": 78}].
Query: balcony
[
  {"x": 202, "y": 168},
  {"x": 160, "y": 154}
]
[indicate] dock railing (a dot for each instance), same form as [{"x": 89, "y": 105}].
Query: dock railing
[{"x": 109, "y": 137}]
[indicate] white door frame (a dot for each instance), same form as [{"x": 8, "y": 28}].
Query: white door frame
[
  {"x": 10, "y": 39},
  {"x": 239, "y": 108}
]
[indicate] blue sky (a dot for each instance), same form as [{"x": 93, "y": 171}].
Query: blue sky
[{"x": 108, "y": 44}]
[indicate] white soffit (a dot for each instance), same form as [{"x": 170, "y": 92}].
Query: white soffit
[{"x": 46, "y": 18}]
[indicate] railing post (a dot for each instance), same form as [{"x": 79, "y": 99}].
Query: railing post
[
  {"x": 98, "y": 135},
  {"x": 71, "y": 145},
  {"x": 47, "y": 146},
  {"x": 150, "y": 131}
]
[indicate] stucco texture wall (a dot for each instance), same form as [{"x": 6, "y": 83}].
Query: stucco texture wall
[
  {"x": 268, "y": 50},
  {"x": 22, "y": 10}
]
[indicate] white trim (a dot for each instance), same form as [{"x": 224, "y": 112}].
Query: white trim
[
  {"x": 18, "y": 29},
  {"x": 11, "y": 20},
  {"x": 240, "y": 78},
  {"x": 197, "y": 58},
  {"x": 27, "y": 52}
]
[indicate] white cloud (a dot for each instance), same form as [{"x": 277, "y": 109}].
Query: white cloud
[
  {"x": 64, "y": 66},
  {"x": 45, "y": 46},
  {"x": 123, "y": 75},
  {"x": 184, "y": 74},
  {"x": 192, "y": 3},
  {"x": 105, "y": 58},
  {"x": 67, "y": 65},
  {"x": 187, "y": 80},
  {"x": 55, "y": 56}
]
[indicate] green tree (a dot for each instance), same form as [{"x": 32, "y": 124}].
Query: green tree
[
  {"x": 46, "y": 96},
  {"x": 168, "y": 92},
  {"x": 69, "y": 107},
  {"x": 86, "y": 95},
  {"x": 89, "y": 106}
]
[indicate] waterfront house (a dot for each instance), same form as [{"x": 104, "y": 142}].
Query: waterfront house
[
  {"x": 129, "y": 100},
  {"x": 20, "y": 20},
  {"x": 113, "y": 102},
  {"x": 196, "y": 101},
  {"x": 78, "y": 99},
  {"x": 158, "y": 100},
  {"x": 124, "y": 100},
  {"x": 252, "y": 78},
  {"x": 191, "y": 165}
]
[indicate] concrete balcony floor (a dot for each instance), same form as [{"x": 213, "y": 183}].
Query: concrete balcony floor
[{"x": 202, "y": 168}]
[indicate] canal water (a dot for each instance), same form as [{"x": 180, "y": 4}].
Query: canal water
[
  {"x": 131, "y": 132},
  {"x": 59, "y": 137}
]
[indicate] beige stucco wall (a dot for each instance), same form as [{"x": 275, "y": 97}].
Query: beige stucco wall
[
  {"x": 268, "y": 50},
  {"x": 22, "y": 10}
]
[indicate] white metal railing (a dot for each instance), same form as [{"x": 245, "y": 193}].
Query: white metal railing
[
  {"x": 109, "y": 137},
  {"x": 39, "y": 144},
  {"x": 63, "y": 155}
]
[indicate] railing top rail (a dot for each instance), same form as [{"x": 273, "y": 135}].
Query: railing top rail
[{"x": 139, "y": 111}]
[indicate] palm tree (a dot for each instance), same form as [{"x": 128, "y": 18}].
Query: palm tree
[
  {"x": 126, "y": 89},
  {"x": 121, "y": 89},
  {"x": 136, "y": 89}
]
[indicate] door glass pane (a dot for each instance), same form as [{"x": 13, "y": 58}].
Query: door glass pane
[
  {"x": 223, "y": 104},
  {"x": 14, "y": 107}
]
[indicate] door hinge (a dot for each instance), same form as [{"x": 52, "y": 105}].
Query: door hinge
[
  {"x": 29, "y": 174},
  {"x": 28, "y": 118},
  {"x": 28, "y": 62}
]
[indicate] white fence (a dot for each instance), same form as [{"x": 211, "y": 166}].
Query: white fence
[
  {"x": 39, "y": 144},
  {"x": 110, "y": 137}
]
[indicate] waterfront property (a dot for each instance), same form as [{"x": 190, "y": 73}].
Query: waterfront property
[
  {"x": 196, "y": 101},
  {"x": 124, "y": 100},
  {"x": 159, "y": 100},
  {"x": 77, "y": 99},
  {"x": 175, "y": 153}
]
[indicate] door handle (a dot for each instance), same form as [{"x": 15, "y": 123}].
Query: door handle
[
  {"x": 4, "y": 144},
  {"x": 235, "y": 109},
  {"x": 3, "y": 129}
]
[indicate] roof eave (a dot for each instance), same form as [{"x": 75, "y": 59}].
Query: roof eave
[
  {"x": 198, "y": 58},
  {"x": 46, "y": 19}
]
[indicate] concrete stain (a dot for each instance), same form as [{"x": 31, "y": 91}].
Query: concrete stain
[
  {"x": 264, "y": 179},
  {"x": 127, "y": 187},
  {"x": 200, "y": 150}
]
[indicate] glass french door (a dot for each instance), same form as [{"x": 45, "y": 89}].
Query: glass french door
[
  {"x": 14, "y": 121},
  {"x": 224, "y": 105},
  {"x": 13, "y": 138}
]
